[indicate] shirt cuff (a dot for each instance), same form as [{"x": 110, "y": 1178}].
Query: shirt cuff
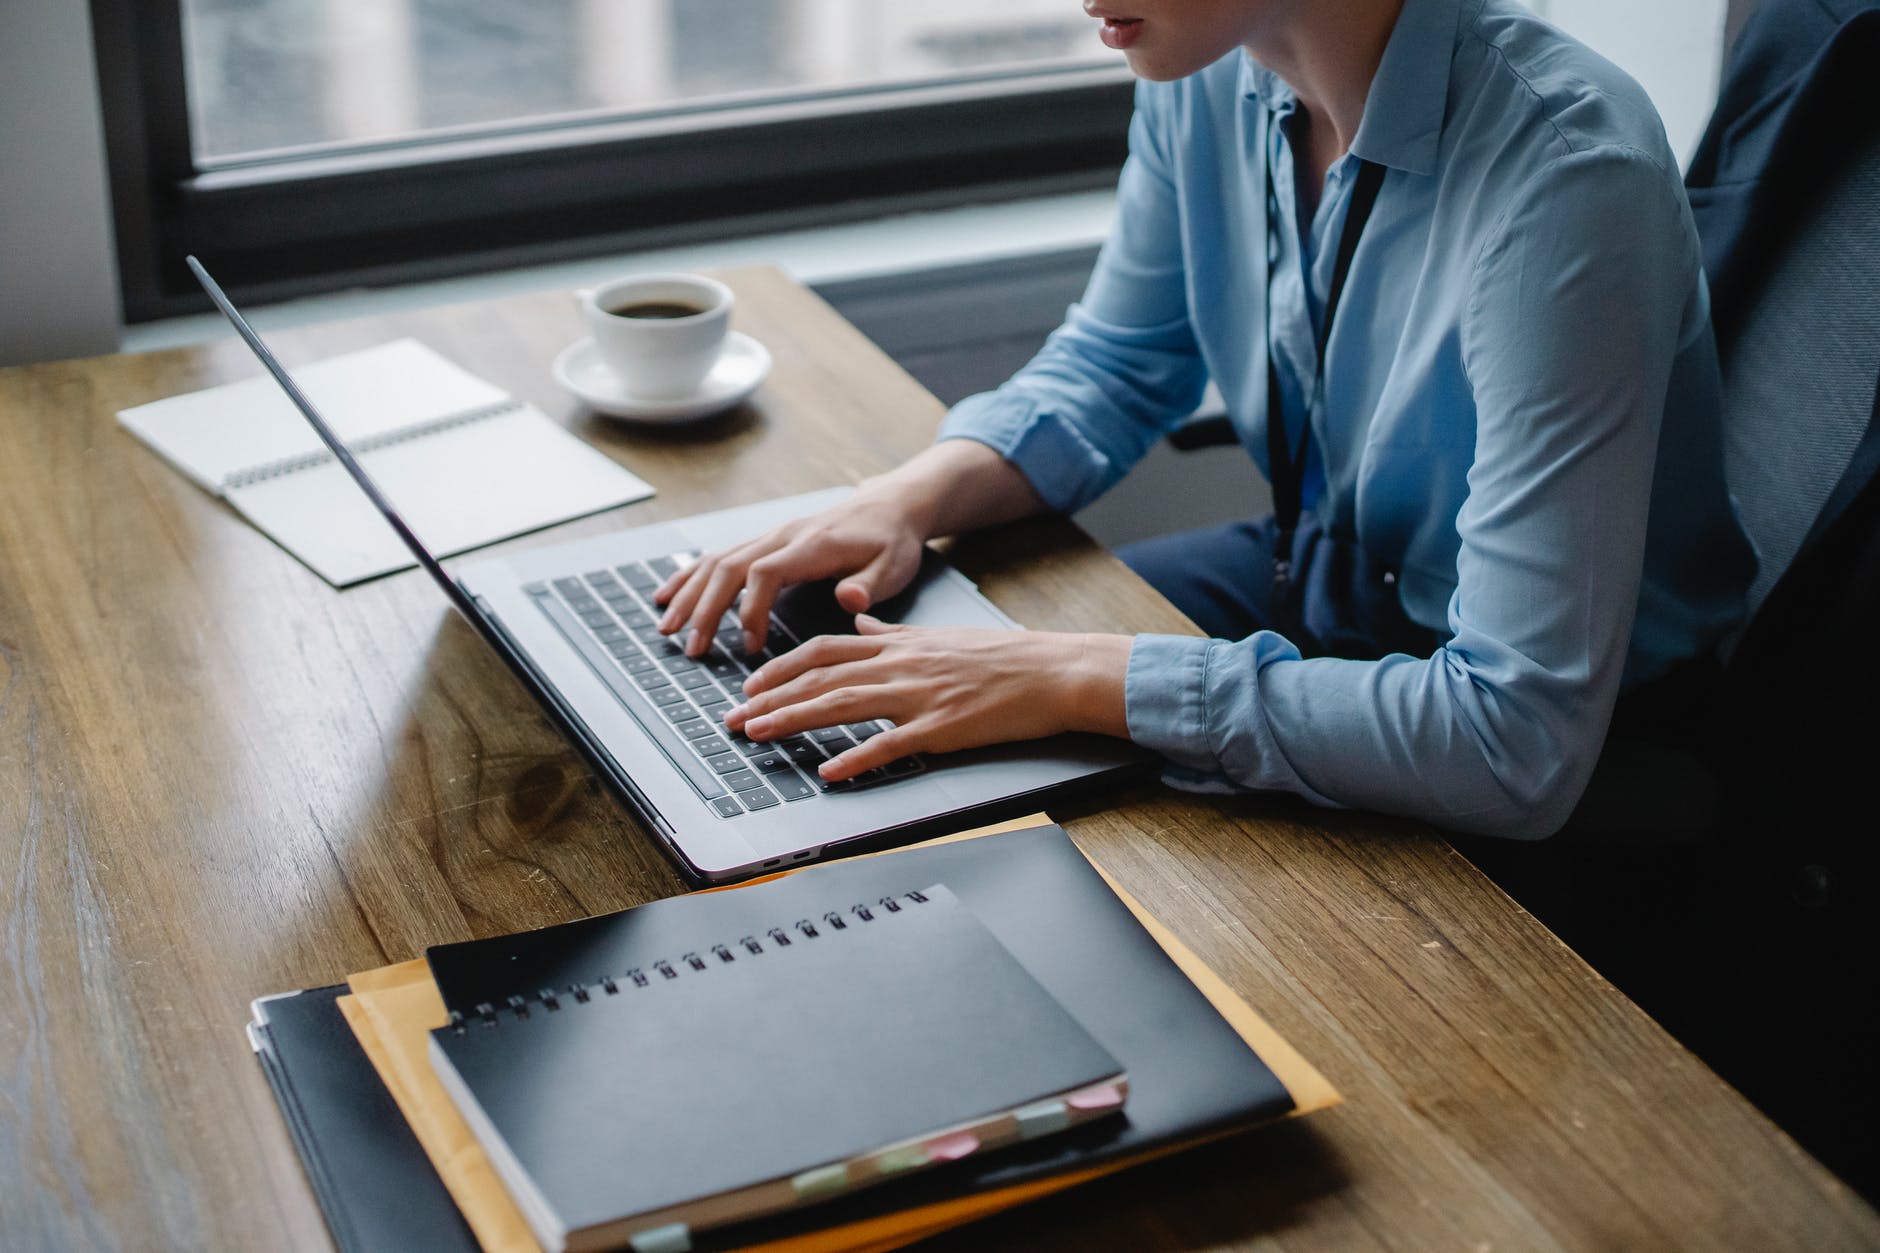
[
  {"x": 1064, "y": 468},
  {"x": 1165, "y": 698}
]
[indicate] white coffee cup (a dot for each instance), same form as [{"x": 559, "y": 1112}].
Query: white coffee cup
[{"x": 660, "y": 333}]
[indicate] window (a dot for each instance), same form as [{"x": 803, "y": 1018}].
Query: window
[{"x": 305, "y": 144}]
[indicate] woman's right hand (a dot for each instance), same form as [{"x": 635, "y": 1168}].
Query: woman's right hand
[{"x": 871, "y": 542}]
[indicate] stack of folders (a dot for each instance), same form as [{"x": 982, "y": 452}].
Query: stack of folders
[{"x": 845, "y": 1057}]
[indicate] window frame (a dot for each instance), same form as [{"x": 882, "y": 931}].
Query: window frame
[{"x": 298, "y": 224}]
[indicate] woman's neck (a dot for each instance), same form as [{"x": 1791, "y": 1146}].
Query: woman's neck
[{"x": 1328, "y": 54}]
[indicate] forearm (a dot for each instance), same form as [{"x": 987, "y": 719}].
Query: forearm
[{"x": 957, "y": 485}]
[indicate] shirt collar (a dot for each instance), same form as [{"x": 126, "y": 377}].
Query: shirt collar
[{"x": 1403, "y": 114}]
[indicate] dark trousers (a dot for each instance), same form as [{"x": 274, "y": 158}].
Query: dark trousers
[{"x": 1337, "y": 603}]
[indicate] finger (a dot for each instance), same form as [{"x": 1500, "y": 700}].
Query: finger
[
  {"x": 720, "y": 591},
  {"x": 876, "y": 750},
  {"x": 821, "y": 652},
  {"x": 869, "y": 624},
  {"x": 690, "y": 583},
  {"x": 677, "y": 579},
  {"x": 674, "y": 581},
  {"x": 892, "y": 569},
  {"x": 832, "y": 709},
  {"x": 766, "y": 578},
  {"x": 685, "y": 595},
  {"x": 807, "y": 686}
]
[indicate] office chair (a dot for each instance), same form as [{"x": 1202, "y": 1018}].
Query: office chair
[{"x": 1748, "y": 924}]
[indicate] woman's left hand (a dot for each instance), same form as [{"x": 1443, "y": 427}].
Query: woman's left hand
[{"x": 943, "y": 688}]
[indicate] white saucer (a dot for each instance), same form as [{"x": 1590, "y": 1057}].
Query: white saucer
[{"x": 741, "y": 368}]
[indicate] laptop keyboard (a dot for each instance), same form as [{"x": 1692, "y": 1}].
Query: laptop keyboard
[{"x": 609, "y": 616}]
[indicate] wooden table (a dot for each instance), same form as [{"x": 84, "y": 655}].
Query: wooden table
[{"x": 220, "y": 778}]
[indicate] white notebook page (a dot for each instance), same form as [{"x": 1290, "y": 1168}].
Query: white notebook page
[{"x": 504, "y": 469}]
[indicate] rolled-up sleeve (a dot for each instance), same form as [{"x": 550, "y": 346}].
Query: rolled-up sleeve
[
  {"x": 1123, "y": 369},
  {"x": 1580, "y": 296}
]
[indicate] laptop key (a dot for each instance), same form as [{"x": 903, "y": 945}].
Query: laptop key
[
  {"x": 652, "y": 680},
  {"x": 715, "y": 710},
  {"x": 802, "y": 751},
  {"x": 709, "y": 745},
  {"x": 727, "y": 806},
  {"x": 626, "y": 651},
  {"x": 902, "y": 767},
  {"x": 828, "y": 735},
  {"x": 791, "y": 788},
  {"x": 637, "y": 576},
  {"x": 570, "y": 588},
  {"x": 864, "y": 730},
  {"x": 749, "y": 747},
  {"x": 597, "y": 617},
  {"x": 667, "y": 695},
  {"x": 726, "y": 763},
  {"x": 742, "y": 780},
  {"x": 609, "y": 634},
  {"x": 721, "y": 666},
  {"x": 692, "y": 680},
  {"x": 676, "y": 750},
  {"x": 771, "y": 763},
  {"x": 637, "y": 662},
  {"x": 697, "y": 729},
  {"x": 758, "y": 798},
  {"x": 634, "y": 618},
  {"x": 679, "y": 711}
]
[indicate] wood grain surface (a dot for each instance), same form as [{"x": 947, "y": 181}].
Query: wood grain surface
[{"x": 220, "y": 778}]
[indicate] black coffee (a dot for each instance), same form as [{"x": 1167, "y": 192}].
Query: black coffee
[{"x": 656, "y": 309}]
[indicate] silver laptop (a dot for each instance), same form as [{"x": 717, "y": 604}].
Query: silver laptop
[{"x": 575, "y": 623}]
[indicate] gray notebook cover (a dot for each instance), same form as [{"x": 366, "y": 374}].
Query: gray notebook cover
[{"x": 749, "y": 1058}]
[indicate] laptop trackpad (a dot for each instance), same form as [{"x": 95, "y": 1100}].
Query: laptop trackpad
[{"x": 938, "y": 596}]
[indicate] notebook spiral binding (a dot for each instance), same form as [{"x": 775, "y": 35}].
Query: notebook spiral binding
[
  {"x": 307, "y": 461},
  {"x": 553, "y": 1000}
]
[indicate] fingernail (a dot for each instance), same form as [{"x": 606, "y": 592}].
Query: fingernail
[
  {"x": 757, "y": 728},
  {"x": 737, "y": 711}
]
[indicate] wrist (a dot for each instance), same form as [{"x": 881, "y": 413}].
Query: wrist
[
  {"x": 912, "y": 492},
  {"x": 1099, "y": 675}
]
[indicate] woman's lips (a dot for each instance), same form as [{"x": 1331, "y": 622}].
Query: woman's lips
[{"x": 1120, "y": 32}]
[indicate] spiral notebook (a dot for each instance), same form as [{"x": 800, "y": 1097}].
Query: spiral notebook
[
  {"x": 759, "y": 1073},
  {"x": 466, "y": 463}
]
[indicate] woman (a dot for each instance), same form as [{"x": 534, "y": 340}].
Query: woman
[{"x": 1499, "y": 503}]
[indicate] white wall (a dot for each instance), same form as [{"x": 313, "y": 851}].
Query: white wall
[
  {"x": 58, "y": 273},
  {"x": 1674, "y": 48}
]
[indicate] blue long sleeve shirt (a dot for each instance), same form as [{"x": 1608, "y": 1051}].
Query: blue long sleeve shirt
[{"x": 1518, "y": 415}]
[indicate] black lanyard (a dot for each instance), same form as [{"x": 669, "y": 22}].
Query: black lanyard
[{"x": 1287, "y": 468}]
